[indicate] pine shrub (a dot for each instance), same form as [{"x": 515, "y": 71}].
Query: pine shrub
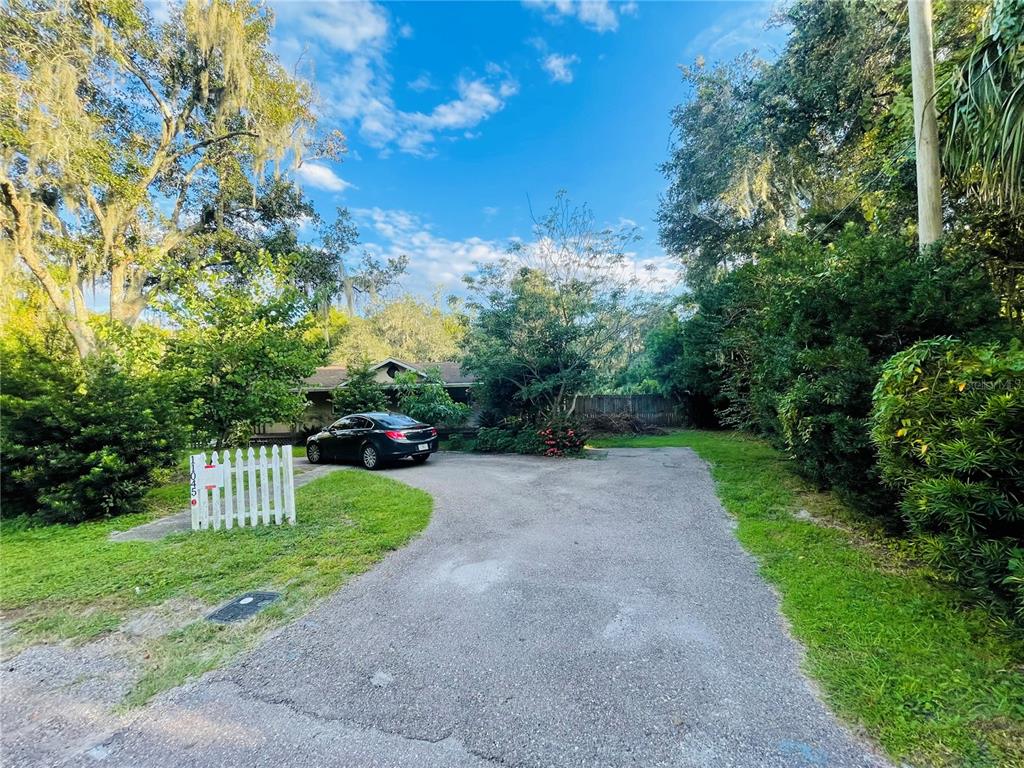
[
  {"x": 948, "y": 423},
  {"x": 82, "y": 442}
]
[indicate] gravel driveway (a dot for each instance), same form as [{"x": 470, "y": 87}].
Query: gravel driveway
[{"x": 554, "y": 613}]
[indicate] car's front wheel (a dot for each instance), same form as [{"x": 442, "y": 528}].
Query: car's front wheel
[
  {"x": 313, "y": 453},
  {"x": 369, "y": 457}
]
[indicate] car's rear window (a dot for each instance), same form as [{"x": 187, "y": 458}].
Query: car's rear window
[{"x": 396, "y": 420}]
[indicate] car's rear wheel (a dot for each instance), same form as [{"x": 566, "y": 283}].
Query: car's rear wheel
[
  {"x": 421, "y": 458},
  {"x": 369, "y": 457},
  {"x": 313, "y": 453}
]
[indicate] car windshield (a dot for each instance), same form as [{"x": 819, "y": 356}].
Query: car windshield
[{"x": 396, "y": 420}]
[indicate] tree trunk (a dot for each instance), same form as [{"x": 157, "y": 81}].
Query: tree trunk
[
  {"x": 572, "y": 408},
  {"x": 926, "y": 131}
]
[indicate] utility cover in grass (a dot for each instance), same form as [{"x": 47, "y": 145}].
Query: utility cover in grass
[{"x": 243, "y": 606}]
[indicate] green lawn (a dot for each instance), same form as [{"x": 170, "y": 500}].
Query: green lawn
[
  {"x": 71, "y": 583},
  {"x": 934, "y": 682}
]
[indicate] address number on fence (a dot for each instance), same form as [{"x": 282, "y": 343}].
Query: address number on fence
[{"x": 252, "y": 489}]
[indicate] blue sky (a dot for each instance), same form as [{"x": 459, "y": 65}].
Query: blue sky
[{"x": 459, "y": 116}]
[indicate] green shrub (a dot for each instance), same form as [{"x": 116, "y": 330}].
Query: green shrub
[
  {"x": 360, "y": 392},
  {"x": 428, "y": 400},
  {"x": 81, "y": 442},
  {"x": 511, "y": 435},
  {"x": 238, "y": 356},
  {"x": 549, "y": 437},
  {"x": 823, "y": 418},
  {"x": 790, "y": 346},
  {"x": 948, "y": 422}
]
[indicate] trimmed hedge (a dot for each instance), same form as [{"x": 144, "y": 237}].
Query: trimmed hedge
[{"x": 948, "y": 423}]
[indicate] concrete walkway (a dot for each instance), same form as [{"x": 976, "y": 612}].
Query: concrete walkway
[
  {"x": 182, "y": 521},
  {"x": 554, "y": 613}
]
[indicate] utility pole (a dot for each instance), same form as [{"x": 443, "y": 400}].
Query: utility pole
[{"x": 926, "y": 128}]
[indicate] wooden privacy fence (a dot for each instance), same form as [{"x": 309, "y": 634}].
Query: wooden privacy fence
[
  {"x": 227, "y": 492},
  {"x": 650, "y": 409}
]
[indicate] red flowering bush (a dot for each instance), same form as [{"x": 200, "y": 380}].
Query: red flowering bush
[
  {"x": 547, "y": 438},
  {"x": 562, "y": 439}
]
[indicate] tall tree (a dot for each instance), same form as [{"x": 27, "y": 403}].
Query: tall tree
[
  {"x": 123, "y": 137},
  {"x": 239, "y": 353},
  {"x": 367, "y": 277},
  {"x": 407, "y": 328},
  {"x": 810, "y": 141},
  {"x": 550, "y": 315}
]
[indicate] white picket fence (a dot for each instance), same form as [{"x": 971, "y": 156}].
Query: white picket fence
[{"x": 227, "y": 492}]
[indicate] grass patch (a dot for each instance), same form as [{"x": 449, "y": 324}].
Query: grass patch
[
  {"x": 931, "y": 679},
  {"x": 71, "y": 583}
]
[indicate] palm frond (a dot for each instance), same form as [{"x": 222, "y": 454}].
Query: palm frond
[{"x": 984, "y": 148}]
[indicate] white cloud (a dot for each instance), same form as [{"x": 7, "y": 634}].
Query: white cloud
[
  {"x": 741, "y": 28},
  {"x": 321, "y": 177},
  {"x": 345, "y": 26},
  {"x": 413, "y": 132},
  {"x": 490, "y": 211},
  {"x": 559, "y": 66},
  {"x": 654, "y": 273},
  {"x": 346, "y": 45},
  {"x": 477, "y": 101},
  {"x": 599, "y": 15},
  {"x": 421, "y": 83},
  {"x": 160, "y": 10},
  {"x": 405, "y": 31},
  {"x": 307, "y": 225},
  {"x": 433, "y": 260},
  {"x": 649, "y": 273}
]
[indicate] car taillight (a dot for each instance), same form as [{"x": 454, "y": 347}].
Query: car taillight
[
  {"x": 433, "y": 431},
  {"x": 395, "y": 434}
]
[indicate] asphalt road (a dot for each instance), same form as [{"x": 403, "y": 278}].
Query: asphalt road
[{"x": 554, "y": 613}]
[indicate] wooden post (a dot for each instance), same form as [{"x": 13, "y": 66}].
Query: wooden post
[
  {"x": 239, "y": 488},
  {"x": 229, "y": 499},
  {"x": 926, "y": 130},
  {"x": 215, "y": 493},
  {"x": 275, "y": 465},
  {"x": 194, "y": 469},
  {"x": 289, "y": 493},
  {"x": 264, "y": 486},
  {"x": 253, "y": 505}
]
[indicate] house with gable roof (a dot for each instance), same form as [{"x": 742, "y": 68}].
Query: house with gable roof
[{"x": 318, "y": 387}]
